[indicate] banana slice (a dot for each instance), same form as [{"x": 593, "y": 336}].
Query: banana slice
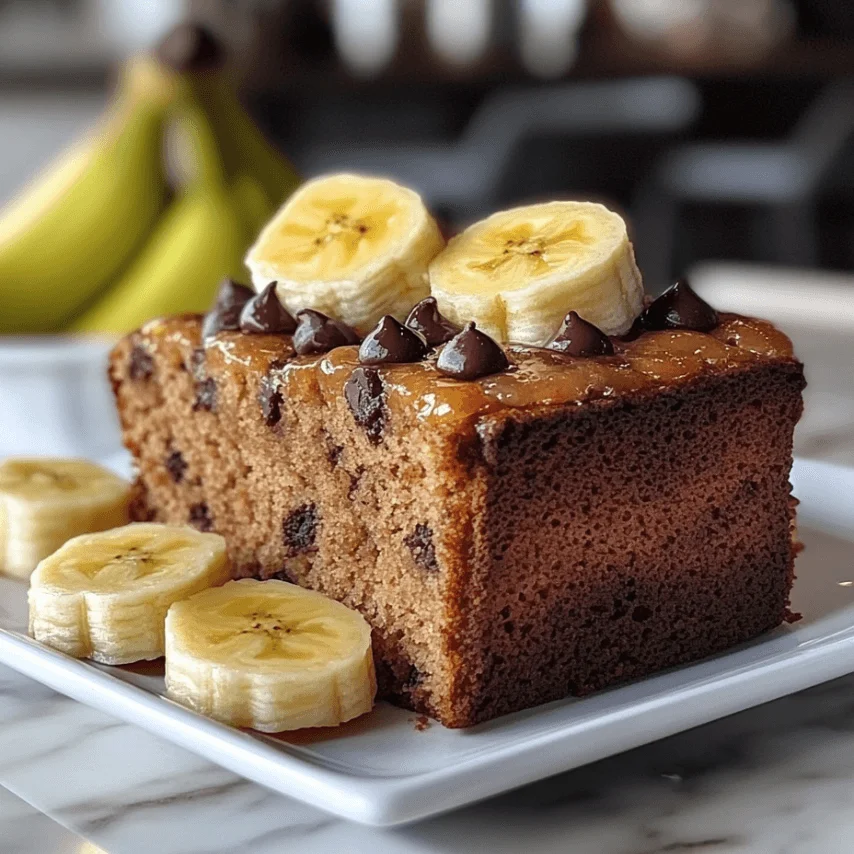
[
  {"x": 351, "y": 246},
  {"x": 518, "y": 272},
  {"x": 105, "y": 596},
  {"x": 269, "y": 655},
  {"x": 44, "y": 502}
]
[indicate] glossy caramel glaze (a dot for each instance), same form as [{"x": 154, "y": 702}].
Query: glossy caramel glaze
[{"x": 537, "y": 377}]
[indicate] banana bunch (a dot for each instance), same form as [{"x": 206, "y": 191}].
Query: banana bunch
[
  {"x": 101, "y": 242},
  {"x": 269, "y": 655},
  {"x": 105, "y": 596},
  {"x": 45, "y": 501}
]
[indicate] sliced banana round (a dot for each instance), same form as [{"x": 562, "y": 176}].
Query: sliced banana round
[
  {"x": 45, "y": 501},
  {"x": 105, "y": 596},
  {"x": 350, "y": 246},
  {"x": 518, "y": 272},
  {"x": 269, "y": 655}
]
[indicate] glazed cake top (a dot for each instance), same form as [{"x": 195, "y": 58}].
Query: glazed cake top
[{"x": 652, "y": 360}]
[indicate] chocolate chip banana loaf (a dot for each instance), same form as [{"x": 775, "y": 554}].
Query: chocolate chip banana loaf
[{"x": 516, "y": 523}]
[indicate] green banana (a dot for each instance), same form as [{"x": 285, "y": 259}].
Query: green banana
[
  {"x": 65, "y": 238},
  {"x": 255, "y": 211},
  {"x": 201, "y": 239}
]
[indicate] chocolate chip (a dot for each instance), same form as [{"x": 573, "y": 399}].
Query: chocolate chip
[
  {"x": 205, "y": 396},
  {"x": 471, "y": 354},
  {"x": 271, "y": 400},
  {"x": 355, "y": 480},
  {"x": 317, "y": 333},
  {"x": 391, "y": 342},
  {"x": 641, "y": 614},
  {"x": 176, "y": 466},
  {"x": 225, "y": 315},
  {"x": 197, "y": 364},
  {"x": 679, "y": 307},
  {"x": 420, "y": 544},
  {"x": 231, "y": 294},
  {"x": 577, "y": 337},
  {"x": 216, "y": 321},
  {"x": 190, "y": 47},
  {"x": 414, "y": 677},
  {"x": 333, "y": 452},
  {"x": 299, "y": 530},
  {"x": 426, "y": 319},
  {"x": 365, "y": 396},
  {"x": 141, "y": 365},
  {"x": 264, "y": 313},
  {"x": 140, "y": 509},
  {"x": 200, "y": 517}
]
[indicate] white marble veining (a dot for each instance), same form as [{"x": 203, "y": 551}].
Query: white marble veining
[{"x": 774, "y": 780}]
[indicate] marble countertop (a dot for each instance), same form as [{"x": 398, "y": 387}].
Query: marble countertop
[{"x": 772, "y": 780}]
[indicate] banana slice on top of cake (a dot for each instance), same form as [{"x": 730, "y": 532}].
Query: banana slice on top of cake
[
  {"x": 350, "y": 246},
  {"x": 518, "y": 272},
  {"x": 269, "y": 655}
]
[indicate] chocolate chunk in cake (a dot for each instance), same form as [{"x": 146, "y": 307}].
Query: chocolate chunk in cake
[
  {"x": 176, "y": 466},
  {"x": 420, "y": 544},
  {"x": 140, "y": 364},
  {"x": 364, "y": 394},
  {"x": 299, "y": 530},
  {"x": 200, "y": 517}
]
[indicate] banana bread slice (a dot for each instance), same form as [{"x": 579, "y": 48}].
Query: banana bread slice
[{"x": 553, "y": 529}]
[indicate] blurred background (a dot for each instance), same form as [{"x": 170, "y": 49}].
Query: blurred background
[{"x": 722, "y": 127}]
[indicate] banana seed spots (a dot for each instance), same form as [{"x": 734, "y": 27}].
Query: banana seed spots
[
  {"x": 527, "y": 254},
  {"x": 340, "y": 234}
]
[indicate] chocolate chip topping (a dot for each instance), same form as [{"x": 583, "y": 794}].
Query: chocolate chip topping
[
  {"x": 225, "y": 315},
  {"x": 577, "y": 337},
  {"x": 233, "y": 294},
  {"x": 264, "y": 313},
  {"x": 190, "y": 47},
  {"x": 391, "y": 342},
  {"x": 364, "y": 395},
  {"x": 426, "y": 319},
  {"x": 679, "y": 307},
  {"x": 471, "y": 354},
  {"x": 317, "y": 333}
]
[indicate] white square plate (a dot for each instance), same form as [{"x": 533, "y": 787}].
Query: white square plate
[{"x": 386, "y": 769}]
